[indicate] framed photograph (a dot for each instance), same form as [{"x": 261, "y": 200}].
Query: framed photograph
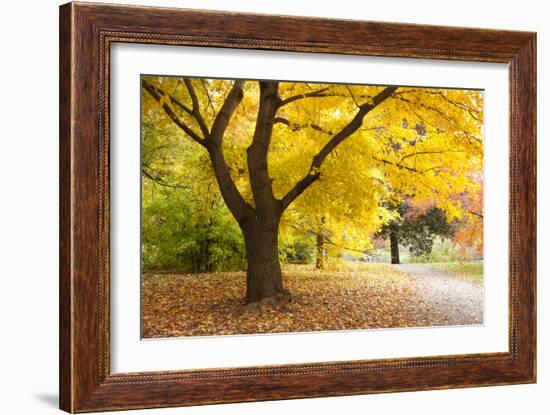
[{"x": 259, "y": 207}]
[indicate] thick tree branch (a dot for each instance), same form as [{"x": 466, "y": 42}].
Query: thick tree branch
[
  {"x": 239, "y": 208},
  {"x": 233, "y": 99},
  {"x": 260, "y": 182},
  {"x": 356, "y": 123},
  {"x": 161, "y": 97},
  {"x": 196, "y": 112},
  {"x": 231, "y": 195},
  {"x": 181, "y": 105}
]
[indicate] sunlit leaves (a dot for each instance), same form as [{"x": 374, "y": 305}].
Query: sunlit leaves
[{"x": 422, "y": 144}]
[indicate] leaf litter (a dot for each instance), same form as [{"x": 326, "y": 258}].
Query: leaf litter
[{"x": 357, "y": 296}]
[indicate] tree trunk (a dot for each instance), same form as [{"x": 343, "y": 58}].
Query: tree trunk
[
  {"x": 264, "y": 278},
  {"x": 320, "y": 262},
  {"x": 259, "y": 223},
  {"x": 394, "y": 246},
  {"x": 261, "y": 229}
]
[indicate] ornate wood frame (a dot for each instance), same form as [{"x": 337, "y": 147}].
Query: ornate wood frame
[{"x": 86, "y": 33}]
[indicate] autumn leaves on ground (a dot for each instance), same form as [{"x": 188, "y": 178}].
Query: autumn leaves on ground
[
  {"x": 356, "y": 296},
  {"x": 272, "y": 207}
]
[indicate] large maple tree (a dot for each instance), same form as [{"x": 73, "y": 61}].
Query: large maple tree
[{"x": 330, "y": 154}]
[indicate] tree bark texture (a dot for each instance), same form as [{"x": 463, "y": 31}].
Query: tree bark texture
[
  {"x": 394, "y": 246},
  {"x": 264, "y": 278}
]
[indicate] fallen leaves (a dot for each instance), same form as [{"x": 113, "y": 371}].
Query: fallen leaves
[{"x": 365, "y": 296}]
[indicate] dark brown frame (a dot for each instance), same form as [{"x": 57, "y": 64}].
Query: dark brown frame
[{"x": 86, "y": 33}]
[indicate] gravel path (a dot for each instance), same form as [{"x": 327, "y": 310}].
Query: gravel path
[{"x": 447, "y": 300}]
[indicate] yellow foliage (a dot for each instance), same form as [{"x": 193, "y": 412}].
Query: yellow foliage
[{"x": 424, "y": 144}]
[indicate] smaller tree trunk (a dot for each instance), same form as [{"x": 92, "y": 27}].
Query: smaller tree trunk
[
  {"x": 321, "y": 254},
  {"x": 394, "y": 246}
]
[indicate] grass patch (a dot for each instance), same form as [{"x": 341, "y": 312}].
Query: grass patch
[{"x": 472, "y": 271}]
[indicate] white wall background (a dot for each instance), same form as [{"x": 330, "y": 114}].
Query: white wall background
[{"x": 29, "y": 206}]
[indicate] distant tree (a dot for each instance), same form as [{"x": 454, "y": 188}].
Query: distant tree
[{"x": 415, "y": 228}]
